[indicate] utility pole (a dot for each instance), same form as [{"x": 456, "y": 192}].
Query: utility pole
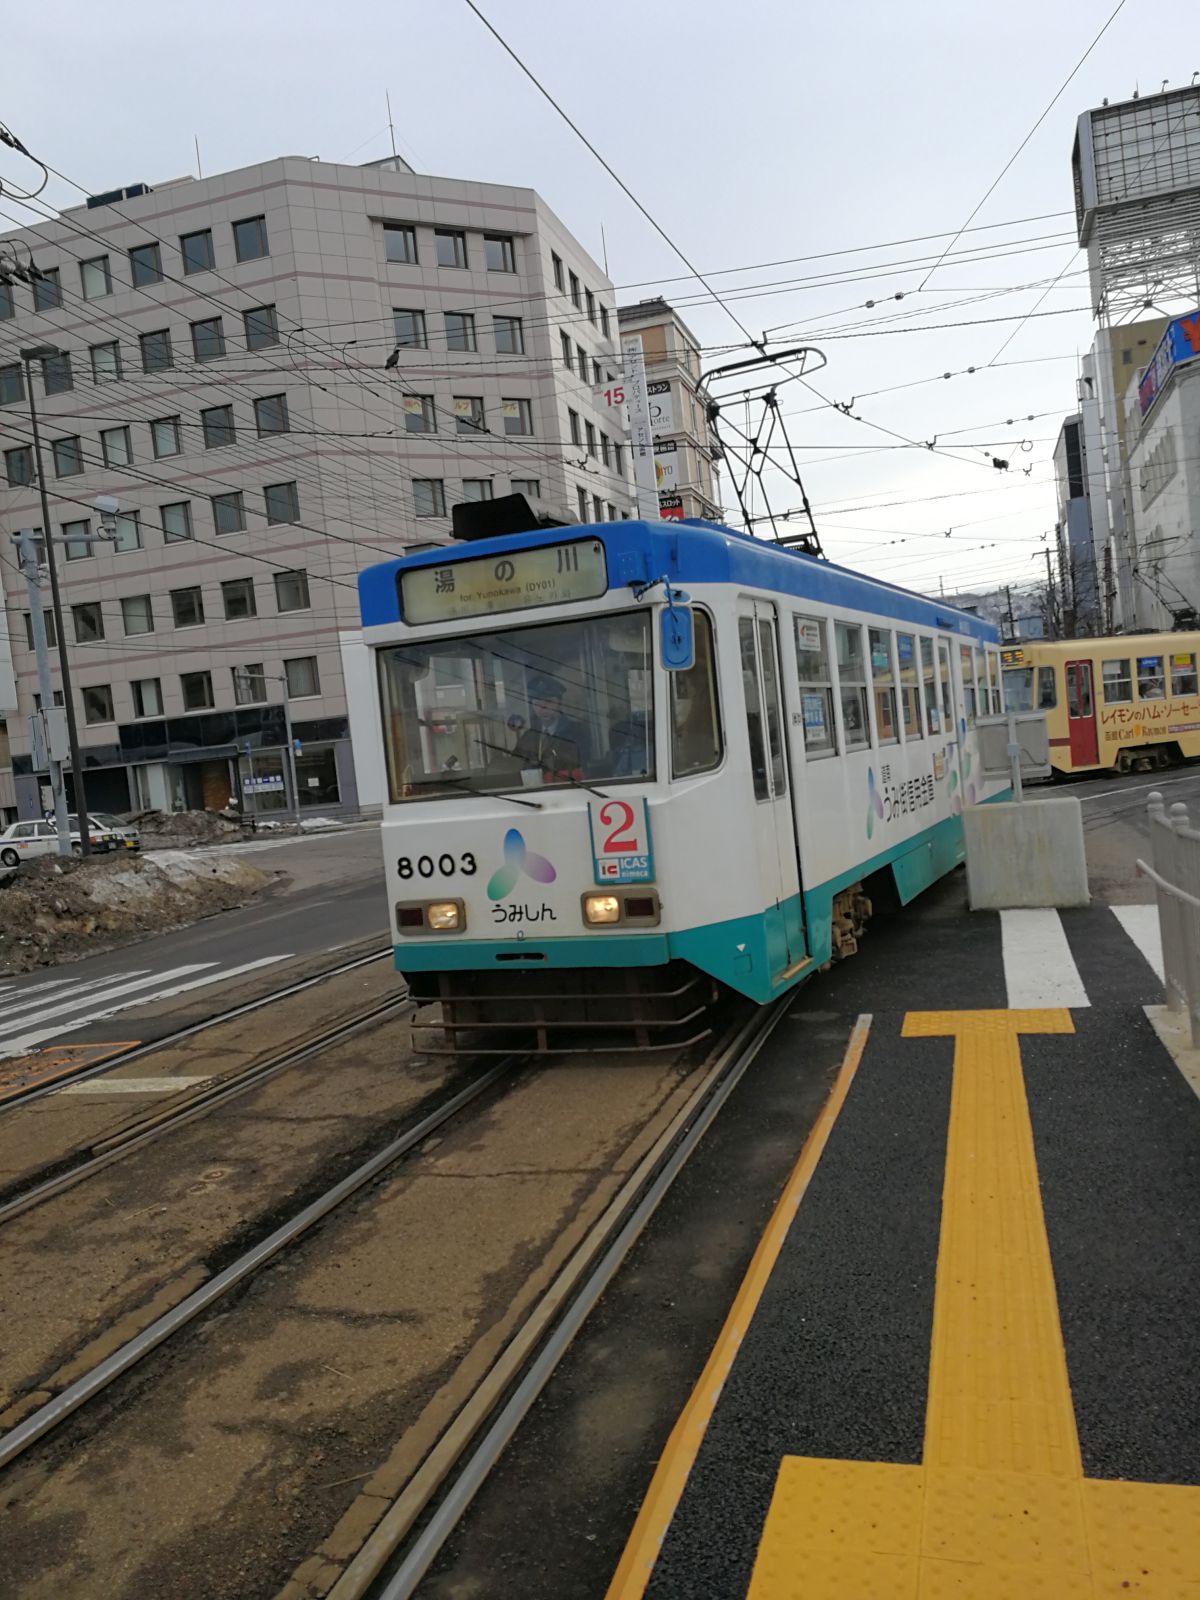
[
  {"x": 27, "y": 560},
  {"x": 1050, "y": 602},
  {"x": 1110, "y": 589},
  {"x": 291, "y": 748},
  {"x": 1012, "y": 625},
  {"x": 42, "y": 352}
]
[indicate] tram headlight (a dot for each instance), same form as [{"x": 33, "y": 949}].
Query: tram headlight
[
  {"x": 444, "y": 916},
  {"x": 601, "y": 908}
]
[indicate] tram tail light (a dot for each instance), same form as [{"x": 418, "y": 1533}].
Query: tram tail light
[
  {"x": 444, "y": 915},
  {"x": 599, "y": 908}
]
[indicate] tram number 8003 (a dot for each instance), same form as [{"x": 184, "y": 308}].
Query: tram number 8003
[{"x": 426, "y": 866}]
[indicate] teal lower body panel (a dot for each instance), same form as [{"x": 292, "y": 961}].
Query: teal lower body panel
[{"x": 747, "y": 954}]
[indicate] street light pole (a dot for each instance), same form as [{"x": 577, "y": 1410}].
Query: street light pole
[
  {"x": 39, "y": 353},
  {"x": 27, "y": 559}
]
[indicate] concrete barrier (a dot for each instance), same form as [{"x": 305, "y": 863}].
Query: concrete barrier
[{"x": 1029, "y": 854}]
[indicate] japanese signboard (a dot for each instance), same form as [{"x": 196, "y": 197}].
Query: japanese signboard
[{"x": 477, "y": 587}]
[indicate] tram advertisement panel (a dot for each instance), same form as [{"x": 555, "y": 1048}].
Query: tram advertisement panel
[{"x": 549, "y": 575}]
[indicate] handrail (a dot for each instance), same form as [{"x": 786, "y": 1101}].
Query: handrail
[
  {"x": 1175, "y": 849},
  {"x": 1168, "y": 888}
]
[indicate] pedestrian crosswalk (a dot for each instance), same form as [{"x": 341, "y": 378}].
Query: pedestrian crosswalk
[
  {"x": 31, "y": 1014},
  {"x": 1042, "y": 963}
]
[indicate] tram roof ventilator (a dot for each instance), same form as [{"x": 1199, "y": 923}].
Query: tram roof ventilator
[{"x": 493, "y": 519}]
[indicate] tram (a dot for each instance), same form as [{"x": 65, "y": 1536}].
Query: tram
[
  {"x": 1113, "y": 704},
  {"x": 631, "y": 758}
]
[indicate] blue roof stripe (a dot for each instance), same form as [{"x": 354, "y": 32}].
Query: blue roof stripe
[{"x": 689, "y": 552}]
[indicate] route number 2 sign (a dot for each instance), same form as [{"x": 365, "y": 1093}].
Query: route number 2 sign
[{"x": 620, "y": 832}]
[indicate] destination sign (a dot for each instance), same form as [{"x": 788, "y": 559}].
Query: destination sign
[
  {"x": 548, "y": 576},
  {"x": 1013, "y": 658}
]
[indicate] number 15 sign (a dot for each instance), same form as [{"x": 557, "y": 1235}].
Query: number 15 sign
[{"x": 620, "y": 841}]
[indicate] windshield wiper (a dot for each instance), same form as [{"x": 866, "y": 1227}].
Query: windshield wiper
[
  {"x": 464, "y": 784},
  {"x": 575, "y": 782}
]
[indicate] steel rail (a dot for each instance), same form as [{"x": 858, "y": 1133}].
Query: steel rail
[
  {"x": 155, "y": 1126},
  {"x": 36, "y": 1091},
  {"x": 464, "y": 1455},
  {"x": 48, "y": 1416}
]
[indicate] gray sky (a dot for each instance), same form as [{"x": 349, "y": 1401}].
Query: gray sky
[{"x": 754, "y": 134}]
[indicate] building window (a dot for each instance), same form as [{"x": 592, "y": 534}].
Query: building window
[
  {"x": 94, "y": 277},
  {"x": 582, "y": 353},
  {"x": 460, "y": 330},
  {"x": 429, "y": 497},
  {"x": 37, "y": 699},
  {"x": 605, "y": 450},
  {"x": 56, "y": 373},
  {"x": 51, "y": 636},
  {"x": 238, "y": 597},
  {"x": 590, "y": 298},
  {"x": 618, "y": 458},
  {"x": 612, "y": 512},
  {"x": 591, "y": 438},
  {"x": 97, "y": 703},
  {"x": 419, "y": 413},
  {"x": 271, "y": 414},
  {"x": 12, "y": 386},
  {"x": 510, "y": 335},
  {"x": 177, "y": 521},
  {"x": 208, "y": 339},
  {"x": 261, "y": 327},
  {"x": 291, "y": 591},
  {"x": 583, "y": 506},
  {"x": 89, "y": 622},
  {"x": 568, "y": 353},
  {"x": 229, "y": 512},
  {"x": 574, "y": 291},
  {"x": 250, "y": 239},
  {"x": 303, "y": 679},
  {"x": 187, "y": 607},
  {"x": 410, "y": 329},
  {"x": 127, "y": 533},
  {"x": 531, "y": 488},
  {"x": 400, "y": 242},
  {"x": 595, "y": 372},
  {"x": 197, "y": 690},
  {"x": 477, "y": 489},
  {"x": 137, "y": 613},
  {"x": 47, "y": 291},
  {"x": 147, "y": 697},
  {"x": 164, "y": 437},
  {"x": 518, "y": 416},
  {"x": 604, "y": 324},
  {"x": 468, "y": 413},
  {"x": 498, "y": 252},
  {"x": 156, "y": 351},
  {"x": 8, "y": 307},
  {"x": 77, "y": 539},
  {"x": 557, "y": 267},
  {"x": 115, "y": 444},
  {"x": 576, "y": 432},
  {"x": 249, "y": 684},
  {"x": 145, "y": 265},
  {"x": 197, "y": 251},
  {"x": 283, "y": 502},
  {"x": 68, "y": 457},
  {"x": 106, "y": 363},
  {"x": 597, "y": 509},
  {"x": 451, "y": 246},
  {"x": 18, "y": 466}
]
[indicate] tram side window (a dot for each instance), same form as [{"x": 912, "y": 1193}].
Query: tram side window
[
  {"x": 909, "y": 704},
  {"x": 754, "y": 716},
  {"x": 695, "y": 718},
  {"x": 993, "y": 661},
  {"x": 932, "y": 719},
  {"x": 1117, "y": 682},
  {"x": 944, "y": 676},
  {"x": 1047, "y": 698},
  {"x": 884, "y": 683},
  {"x": 1183, "y": 674},
  {"x": 852, "y": 684},
  {"x": 770, "y": 672},
  {"x": 816, "y": 687},
  {"x": 967, "y": 666},
  {"x": 1150, "y": 681},
  {"x": 1079, "y": 691}
]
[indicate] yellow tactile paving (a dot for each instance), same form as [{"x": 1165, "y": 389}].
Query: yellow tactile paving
[{"x": 999, "y": 1507}]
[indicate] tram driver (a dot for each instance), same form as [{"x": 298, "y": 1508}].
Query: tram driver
[{"x": 553, "y": 743}]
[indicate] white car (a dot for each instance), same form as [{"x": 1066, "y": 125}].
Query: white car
[
  {"x": 126, "y": 835},
  {"x": 21, "y": 841}
]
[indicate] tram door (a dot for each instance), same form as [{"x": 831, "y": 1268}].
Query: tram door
[
  {"x": 1081, "y": 715},
  {"x": 773, "y": 821}
]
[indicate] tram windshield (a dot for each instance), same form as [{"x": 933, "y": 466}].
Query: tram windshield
[{"x": 514, "y": 708}]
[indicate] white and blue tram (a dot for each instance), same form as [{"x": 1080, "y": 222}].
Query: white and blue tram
[{"x": 627, "y": 747}]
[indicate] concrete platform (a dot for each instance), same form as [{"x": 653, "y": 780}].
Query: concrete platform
[{"x": 962, "y": 1360}]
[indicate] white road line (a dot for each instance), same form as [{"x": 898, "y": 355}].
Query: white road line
[
  {"x": 27, "y": 1041},
  {"x": 1039, "y": 969},
  {"x": 82, "y": 991},
  {"x": 1141, "y": 924},
  {"x": 131, "y": 1085},
  {"x": 40, "y": 988},
  {"x": 63, "y": 1007}
]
